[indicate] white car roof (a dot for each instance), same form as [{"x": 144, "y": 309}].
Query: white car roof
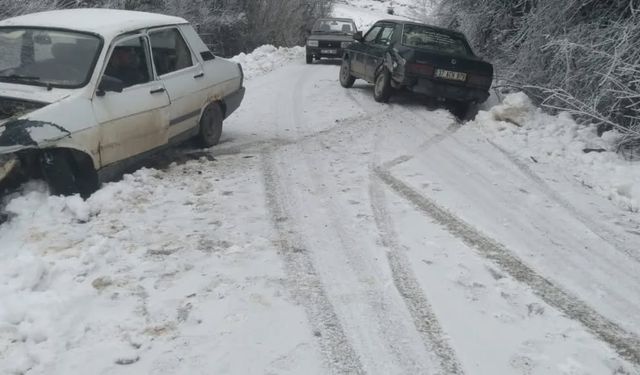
[{"x": 106, "y": 22}]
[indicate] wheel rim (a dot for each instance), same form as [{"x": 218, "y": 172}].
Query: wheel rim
[
  {"x": 345, "y": 71},
  {"x": 379, "y": 86}
]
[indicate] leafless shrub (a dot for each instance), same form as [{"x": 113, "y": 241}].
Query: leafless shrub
[
  {"x": 229, "y": 26},
  {"x": 580, "y": 56}
]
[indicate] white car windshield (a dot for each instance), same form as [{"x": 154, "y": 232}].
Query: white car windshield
[{"x": 42, "y": 57}]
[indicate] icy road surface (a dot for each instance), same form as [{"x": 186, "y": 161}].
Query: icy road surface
[{"x": 327, "y": 233}]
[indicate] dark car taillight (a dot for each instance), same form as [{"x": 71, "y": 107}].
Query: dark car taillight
[
  {"x": 478, "y": 80},
  {"x": 420, "y": 69}
]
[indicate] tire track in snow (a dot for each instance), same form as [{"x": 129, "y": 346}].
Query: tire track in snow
[
  {"x": 388, "y": 328},
  {"x": 625, "y": 343},
  {"x": 384, "y": 311},
  {"x": 604, "y": 234},
  {"x": 450, "y": 130},
  {"x": 407, "y": 285},
  {"x": 307, "y": 286},
  {"x": 395, "y": 339}
]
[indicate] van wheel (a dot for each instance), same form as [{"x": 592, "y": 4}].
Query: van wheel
[
  {"x": 382, "y": 86},
  {"x": 210, "y": 126},
  {"x": 67, "y": 176},
  {"x": 309, "y": 59}
]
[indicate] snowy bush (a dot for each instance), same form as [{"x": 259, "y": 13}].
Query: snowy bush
[
  {"x": 579, "y": 56},
  {"x": 228, "y": 26}
]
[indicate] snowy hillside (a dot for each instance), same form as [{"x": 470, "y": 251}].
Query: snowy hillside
[{"x": 330, "y": 234}]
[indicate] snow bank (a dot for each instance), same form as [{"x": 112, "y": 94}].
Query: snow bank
[
  {"x": 518, "y": 126},
  {"x": 267, "y": 58},
  {"x": 157, "y": 273}
]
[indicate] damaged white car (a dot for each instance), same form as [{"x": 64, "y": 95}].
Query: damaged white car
[{"x": 85, "y": 92}]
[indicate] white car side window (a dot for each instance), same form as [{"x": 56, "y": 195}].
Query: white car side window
[
  {"x": 128, "y": 62},
  {"x": 170, "y": 52}
]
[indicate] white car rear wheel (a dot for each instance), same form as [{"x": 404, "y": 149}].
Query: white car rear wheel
[{"x": 210, "y": 125}]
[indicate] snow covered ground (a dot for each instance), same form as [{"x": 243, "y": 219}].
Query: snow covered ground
[
  {"x": 366, "y": 12},
  {"x": 328, "y": 233}
]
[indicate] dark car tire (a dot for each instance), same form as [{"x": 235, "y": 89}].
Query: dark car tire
[
  {"x": 66, "y": 176},
  {"x": 210, "y": 126},
  {"x": 309, "y": 59},
  {"x": 464, "y": 111},
  {"x": 346, "y": 79},
  {"x": 382, "y": 89}
]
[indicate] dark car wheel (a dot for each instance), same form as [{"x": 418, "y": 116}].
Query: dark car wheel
[
  {"x": 346, "y": 79},
  {"x": 210, "y": 126},
  {"x": 309, "y": 59},
  {"x": 66, "y": 176},
  {"x": 382, "y": 86},
  {"x": 464, "y": 111}
]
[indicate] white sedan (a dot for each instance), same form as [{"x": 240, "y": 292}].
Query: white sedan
[{"x": 85, "y": 92}]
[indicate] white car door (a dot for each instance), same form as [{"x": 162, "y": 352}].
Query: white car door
[
  {"x": 183, "y": 77},
  {"x": 135, "y": 120}
]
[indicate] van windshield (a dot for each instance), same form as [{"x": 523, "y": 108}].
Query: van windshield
[
  {"x": 42, "y": 57},
  {"x": 427, "y": 38}
]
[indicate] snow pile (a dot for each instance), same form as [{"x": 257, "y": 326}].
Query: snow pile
[
  {"x": 267, "y": 58},
  {"x": 518, "y": 126},
  {"x": 157, "y": 273}
]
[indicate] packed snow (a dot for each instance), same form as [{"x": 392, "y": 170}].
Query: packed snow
[
  {"x": 560, "y": 142},
  {"x": 328, "y": 233},
  {"x": 266, "y": 58}
]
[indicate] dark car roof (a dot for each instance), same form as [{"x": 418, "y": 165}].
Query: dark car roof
[{"x": 442, "y": 29}]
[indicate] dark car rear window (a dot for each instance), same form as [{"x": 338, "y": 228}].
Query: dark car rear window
[{"x": 427, "y": 38}]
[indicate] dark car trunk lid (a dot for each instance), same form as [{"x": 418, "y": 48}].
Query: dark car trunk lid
[{"x": 479, "y": 72}]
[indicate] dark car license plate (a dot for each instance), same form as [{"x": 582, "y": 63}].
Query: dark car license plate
[
  {"x": 454, "y": 76},
  {"x": 329, "y": 51}
]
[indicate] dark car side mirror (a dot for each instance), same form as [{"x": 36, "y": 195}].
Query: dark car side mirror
[
  {"x": 109, "y": 84},
  {"x": 358, "y": 36}
]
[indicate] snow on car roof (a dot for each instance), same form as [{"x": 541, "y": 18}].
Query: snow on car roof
[{"x": 96, "y": 20}]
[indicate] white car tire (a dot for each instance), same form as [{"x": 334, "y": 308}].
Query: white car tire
[{"x": 210, "y": 125}]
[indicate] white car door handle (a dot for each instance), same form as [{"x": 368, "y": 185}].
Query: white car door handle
[
  {"x": 199, "y": 75},
  {"x": 156, "y": 91}
]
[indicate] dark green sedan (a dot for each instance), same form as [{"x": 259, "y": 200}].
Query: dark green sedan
[{"x": 424, "y": 59}]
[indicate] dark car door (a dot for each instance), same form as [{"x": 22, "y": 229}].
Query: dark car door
[
  {"x": 378, "y": 48},
  {"x": 362, "y": 51}
]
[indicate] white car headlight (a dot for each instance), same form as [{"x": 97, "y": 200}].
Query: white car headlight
[
  {"x": 312, "y": 43},
  {"x": 345, "y": 44}
]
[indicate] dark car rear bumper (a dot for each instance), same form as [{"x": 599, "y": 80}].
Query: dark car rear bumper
[
  {"x": 446, "y": 90},
  {"x": 233, "y": 100},
  {"x": 317, "y": 52}
]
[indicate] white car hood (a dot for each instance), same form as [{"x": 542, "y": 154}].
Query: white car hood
[{"x": 32, "y": 93}]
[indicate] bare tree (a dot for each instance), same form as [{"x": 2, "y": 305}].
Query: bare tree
[
  {"x": 229, "y": 26},
  {"x": 580, "y": 56}
]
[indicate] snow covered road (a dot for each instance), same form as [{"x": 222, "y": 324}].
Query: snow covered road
[{"x": 327, "y": 233}]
